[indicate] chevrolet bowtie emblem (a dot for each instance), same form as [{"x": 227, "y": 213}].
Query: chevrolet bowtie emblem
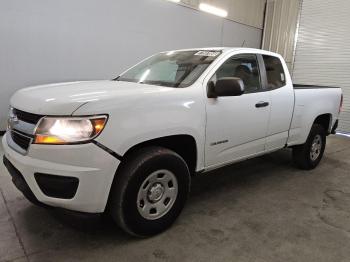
[{"x": 13, "y": 120}]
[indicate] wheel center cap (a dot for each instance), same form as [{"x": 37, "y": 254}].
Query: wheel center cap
[{"x": 155, "y": 193}]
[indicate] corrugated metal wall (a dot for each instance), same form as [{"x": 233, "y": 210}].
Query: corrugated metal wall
[
  {"x": 323, "y": 49},
  {"x": 281, "y": 19}
]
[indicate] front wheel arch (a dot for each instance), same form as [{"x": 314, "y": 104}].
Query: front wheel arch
[
  {"x": 122, "y": 203},
  {"x": 183, "y": 144}
]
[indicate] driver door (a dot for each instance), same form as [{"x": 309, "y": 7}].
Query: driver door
[{"x": 237, "y": 125}]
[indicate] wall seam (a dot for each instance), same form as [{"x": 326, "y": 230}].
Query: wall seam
[
  {"x": 296, "y": 37},
  {"x": 222, "y": 32},
  {"x": 224, "y": 18}
]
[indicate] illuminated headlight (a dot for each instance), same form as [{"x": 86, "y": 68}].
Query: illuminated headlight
[{"x": 68, "y": 130}]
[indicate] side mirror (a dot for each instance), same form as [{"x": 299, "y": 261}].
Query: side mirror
[{"x": 226, "y": 86}]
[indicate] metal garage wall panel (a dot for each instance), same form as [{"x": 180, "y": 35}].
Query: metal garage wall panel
[
  {"x": 54, "y": 41},
  {"x": 280, "y": 28},
  {"x": 323, "y": 49}
]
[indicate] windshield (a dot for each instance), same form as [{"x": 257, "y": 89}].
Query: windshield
[{"x": 171, "y": 69}]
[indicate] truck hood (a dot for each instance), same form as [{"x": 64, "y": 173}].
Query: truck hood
[{"x": 65, "y": 98}]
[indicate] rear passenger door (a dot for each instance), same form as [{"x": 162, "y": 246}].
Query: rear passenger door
[
  {"x": 281, "y": 95},
  {"x": 236, "y": 125}
]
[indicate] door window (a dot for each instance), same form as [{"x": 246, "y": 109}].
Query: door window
[
  {"x": 243, "y": 66},
  {"x": 276, "y": 77}
]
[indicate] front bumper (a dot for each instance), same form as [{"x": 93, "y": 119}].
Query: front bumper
[
  {"x": 20, "y": 183},
  {"x": 92, "y": 166}
]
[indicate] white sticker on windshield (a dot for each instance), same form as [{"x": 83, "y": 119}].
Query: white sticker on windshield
[{"x": 207, "y": 53}]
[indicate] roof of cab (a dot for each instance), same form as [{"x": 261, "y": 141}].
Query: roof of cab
[
  {"x": 227, "y": 49},
  {"x": 216, "y": 49}
]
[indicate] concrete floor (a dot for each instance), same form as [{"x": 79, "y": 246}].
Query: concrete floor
[{"x": 262, "y": 209}]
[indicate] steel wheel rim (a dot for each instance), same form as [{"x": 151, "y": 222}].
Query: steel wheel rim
[
  {"x": 316, "y": 147},
  {"x": 157, "y": 194}
]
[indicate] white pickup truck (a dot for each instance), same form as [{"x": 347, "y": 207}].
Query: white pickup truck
[{"x": 130, "y": 145}]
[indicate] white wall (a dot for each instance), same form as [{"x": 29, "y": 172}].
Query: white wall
[
  {"x": 248, "y": 12},
  {"x": 45, "y": 41}
]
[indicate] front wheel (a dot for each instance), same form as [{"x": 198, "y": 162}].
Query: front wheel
[
  {"x": 149, "y": 191},
  {"x": 309, "y": 155}
]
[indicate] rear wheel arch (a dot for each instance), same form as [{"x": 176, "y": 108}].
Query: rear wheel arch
[
  {"x": 325, "y": 120},
  {"x": 314, "y": 145}
]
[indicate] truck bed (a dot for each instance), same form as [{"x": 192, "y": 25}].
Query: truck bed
[
  {"x": 308, "y": 104},
  {"x": 301, "y": 86}
]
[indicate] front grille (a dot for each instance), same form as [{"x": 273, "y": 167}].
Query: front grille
[
  {"x": 22, "y": 125},
  {"x": 21, "y": 140},
  {"x": 27, "y": 117}
]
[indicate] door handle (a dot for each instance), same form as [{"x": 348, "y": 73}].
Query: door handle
[{"x": 261, "y": 104}]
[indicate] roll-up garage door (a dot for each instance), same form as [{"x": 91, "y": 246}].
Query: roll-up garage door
[{"x": 322, "y": 54}]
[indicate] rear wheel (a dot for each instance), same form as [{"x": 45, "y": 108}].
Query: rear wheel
[
  {"x": 309, "y": 155},
  {"x": 149, "y": 191}
]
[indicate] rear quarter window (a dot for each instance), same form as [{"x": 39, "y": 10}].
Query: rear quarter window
[{"x": 275, "y": 74}]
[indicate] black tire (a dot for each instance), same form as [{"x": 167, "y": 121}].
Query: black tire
[
  {"x": 123, "y": 202},
  {"x": 302, "y": 153}
]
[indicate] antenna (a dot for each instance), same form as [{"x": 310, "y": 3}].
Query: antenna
[{"x": 243, "y": 43}]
